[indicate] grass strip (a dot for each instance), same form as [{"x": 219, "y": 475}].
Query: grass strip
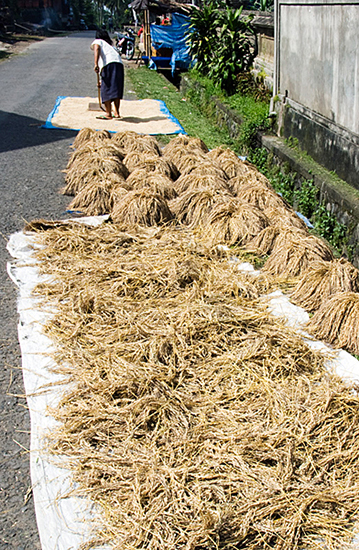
[{"x": 154, "y": 85}]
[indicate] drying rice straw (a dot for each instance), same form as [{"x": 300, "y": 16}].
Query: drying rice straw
[
  {"x": 141, "y": 207},
  {"x": 234, "y": 221},
  {"x": 192, "y": 415},
  {"x": 195, "y": 205},
  {"x": 337, "y": 321},
  {"x": 186, "y": 143},
  {"x": 323, "y": 279},
  {"x": 158, "y": 183},
  {"x": 294, "y": 251},
  {"x": 195, "y": 180}
]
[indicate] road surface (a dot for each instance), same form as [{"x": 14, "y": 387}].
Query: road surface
[{"x": 31, "y": 164}]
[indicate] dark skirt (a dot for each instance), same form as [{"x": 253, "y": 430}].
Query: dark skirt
[{"x": 112, "y": 82}]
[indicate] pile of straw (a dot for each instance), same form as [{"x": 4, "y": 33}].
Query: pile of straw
[
  {"x": 141, "y": 207},
  {"x": 234, "y": 221},
  {"x": 144, "y": 144},
  {"x": 294, "y": 251},
  {"x": 158, "y": 183},
  {"x": 195, "y": 205},
  {"x": 285, "y": 217},
  {"x": 216, "y": 152},
  {"x": 150, "y": 163},
  {"x": 126, "y": 139},
  {"x": 322, "y": 280},
  {"x": 186, "y": 143},
  {"x": 194, "y": 419},
  {"x": 233, "y": 165},
  {"x": 187, "y": 160},
  {"x": 86, "y": 135},
  {"x": 96, "y": 198},
  {"x": 263, "y": 243},
  {"x": 195, "y": 180},
  {"x": 337, "y": 321},
  {"x": 90, "y": 162}
]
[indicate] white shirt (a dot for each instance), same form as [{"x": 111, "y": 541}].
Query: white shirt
[{"x": 108, "y": 54}]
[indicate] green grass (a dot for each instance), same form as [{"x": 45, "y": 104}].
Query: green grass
[{"x": 153, "y": 85}]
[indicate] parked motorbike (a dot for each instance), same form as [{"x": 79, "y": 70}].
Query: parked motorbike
[{"x": 125, "y": 43}]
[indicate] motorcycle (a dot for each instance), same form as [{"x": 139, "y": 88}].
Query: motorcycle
[{"x": 125, "y": 43}]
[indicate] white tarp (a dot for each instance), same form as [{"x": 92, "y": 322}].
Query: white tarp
[{"x": 65, "y": 523}]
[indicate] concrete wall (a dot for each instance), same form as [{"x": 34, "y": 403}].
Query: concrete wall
[
  {"x": 317, "y": 80},
  {"x": 263, "y": 65}
]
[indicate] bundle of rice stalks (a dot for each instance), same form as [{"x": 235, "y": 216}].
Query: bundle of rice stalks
[
  {"x": 234, "y": 166},
  {"x": 185, "y": 143},
  {"x": 216, "y": 152},
  {"x": 125, "y": 139},
  {"x": 186, "y": 161},
  {"x": 82, "y": 173},
  {"x": 293, "y": 252},
  {"x": 76, "y": 180},
  {"x": 94, "y": 199},
  {"x": 244, "y": 182},
  {"x": 134, "y": 158},
  {"x": 194, "y": 206},
  {"x": 141, "y": 207},
  {"x": 84, "y": 135},
  {"x": 144, "y": 144},
  {"x": 323, "y": 279},
  {"x": 234, "y": 221},
  {"x": 151, "y": 163},
  {"x": 263, "y": 243},
  {"x": 337, "y": 321},
  {"x": 92, "y": 150},
  {"x": 194, "y": 180},
  {"x": 103, "y": 135},
  {"x": 257, "y": 194},
  {"x": 159, "y": 184},
  {"x": 284, "y": 216},
  {"x": 209, "y": 168}
]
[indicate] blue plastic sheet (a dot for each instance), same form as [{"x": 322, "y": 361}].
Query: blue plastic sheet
[{"x": 174, "y": 36}]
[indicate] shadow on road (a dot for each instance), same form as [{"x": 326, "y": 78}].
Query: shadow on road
[{"x": 19, "y": 132}]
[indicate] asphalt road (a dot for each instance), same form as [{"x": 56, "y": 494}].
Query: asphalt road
[{"x": 31, "y": 161}]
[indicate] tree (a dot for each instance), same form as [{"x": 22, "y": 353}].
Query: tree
[{"x": 221, "y": 42}]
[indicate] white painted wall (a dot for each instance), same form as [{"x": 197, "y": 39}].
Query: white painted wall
[{"x": 317, "y": 57}]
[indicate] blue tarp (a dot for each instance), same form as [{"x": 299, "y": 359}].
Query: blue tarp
[{"x": 173, "y": 36}]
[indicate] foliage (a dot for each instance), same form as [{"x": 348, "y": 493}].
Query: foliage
[
  {"x": 264, "y": 5},
  {"x": 234, "y": 53},
  {"x": 329, "y": 228},
  {"x": 254, "y": 87},
  {"x": 306, "y": 198},
  {"x": 203, "y": 36},
  {"x": 220, "y": 40},
  {"x": 253, "y": 113}
]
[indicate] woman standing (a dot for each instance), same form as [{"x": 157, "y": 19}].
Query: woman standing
[{"x": 109, "y": 64}]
